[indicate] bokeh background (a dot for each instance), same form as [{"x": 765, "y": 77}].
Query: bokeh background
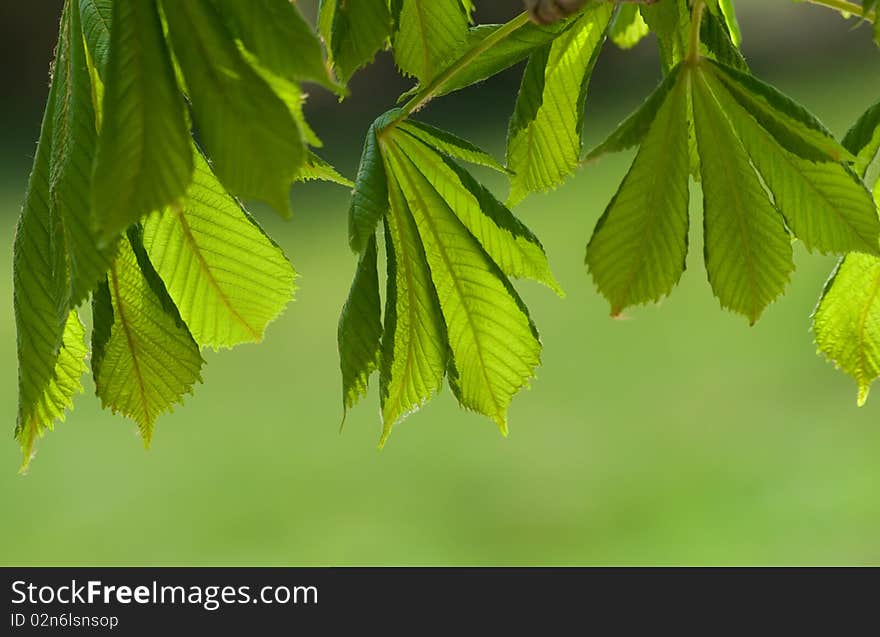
[{"x": 677, "y": 436}]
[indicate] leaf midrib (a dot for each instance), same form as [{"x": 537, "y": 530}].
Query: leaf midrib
[
  {"x": 129, "y": 337},
  {"x": 738, "y": 201},
  {"x": 654, "y": 214},
  {"x": 196, "y": 250},
  {"x": 407, "y": 165}
]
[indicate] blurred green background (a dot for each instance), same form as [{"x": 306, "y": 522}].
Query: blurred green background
[{"x": 678, "y": 436}]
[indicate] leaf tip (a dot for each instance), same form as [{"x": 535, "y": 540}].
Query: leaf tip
[
  {"x": 864, "y": 389},
  {"x": 501, "y": 421}
]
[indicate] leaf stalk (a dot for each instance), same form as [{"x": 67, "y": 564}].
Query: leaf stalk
[
  {"x": 693, "y": 56},
  {"x": 426, "y": 94}
]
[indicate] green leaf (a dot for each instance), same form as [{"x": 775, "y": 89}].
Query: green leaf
[
  {"x": 511, "y": 50},
  {"x": 360, "y": 328},
  {"x": 316, "y": 168},
  {"x": 247, "y": 129},
  {"x": 97, "y": 16},
  {"x": 142, "y": 162},
  {"x": 414, "y": 345},
  {"x": 638, "y": 249},
  {"x": 354, "y": 32},
  {"x": 280, "y": 38},
  {"x": 793, "y": 126},
  {"x": 633, "y": 129},
  {"x": 50, "y": 337},
  {"x": 56, "y": 396},
  {"x": 290, "y": 93},
  {"x": 748, "y": 252},
  {"x": 450, "y": 145},
  {"x": 544, "y": 138},
  {"x": 670, "y": 21},
  {"x": 226, "y": 277},
  {"x": 494, "y": 346},
  {"x": 730, "y": 20},
  {"x": 629, "y": 27},
  {"x": 718, "y": 41},
  {"x": 73, "y": 148},
  {"x": 825, "y": 204},
  {"x": 369, "y": 200},
  {"x": 863, "y": 141},
  {"x": 509, "y": 243},
  {"x": 449, "y": 307},
  {"x": 428, "y": 34},
  {"x": 847, "y": 320},
  {"x": 144, "y": 358}
]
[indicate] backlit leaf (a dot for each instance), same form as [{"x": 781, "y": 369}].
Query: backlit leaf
[
  {"x": 248, "y": 131},
  {"x": 143, "y": 162},
  {"x": 144, "y": 359},
  {"x": 544, "y": 137},
  {"x": 428, "y": 33},
  {"x": 638, "y": 250},
  {"x": 748, "y": 251},
  {"x": 360, "y": 328},
  {"x": 354, "y": 32},
  {"x": 226, "y": 277}
]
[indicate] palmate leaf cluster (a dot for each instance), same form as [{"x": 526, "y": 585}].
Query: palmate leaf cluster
[
  {"x": 162, "y": 116},
  {"x": 125, "y": 208}
]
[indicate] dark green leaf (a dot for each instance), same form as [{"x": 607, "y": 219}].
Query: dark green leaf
[
  {"x": 360, "y": 328},
  {"x": 369, "y": 200},
  {"x": 143, "y": 161},
  {"x": 278, "y": 36},
  {"x": 354, "y": 32},
  {"x": 248, "y": 131}
]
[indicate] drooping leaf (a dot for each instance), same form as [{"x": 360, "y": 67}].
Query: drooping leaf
[
  {"x": 142, "y": 162},
  {"x": 73, "y": 149},
  {"x": 226, "y": 277},
  {"x": 718, "y": 41},
  {"x": 513, "y": 49},
  {"x": 290, "y": 93},
  {"x": 863, "y": 141},
  {"x": 280, "y": 38},
  {"x": 50, "y": 346},
  {"x": 360, "y": 328},
  {"x": 428, "y": 32},
  {"x": 748, "y": 251},
  {"x": 253, "y": 139},
  {"x": 450, "y": 145},
  {"x": 793, "y": 126},
  {"x": 144, "y": 359},
  {"x": 414, "y": 345},
  {"x": 629, "y": 27},
  {"x": 638, "y": 250},
  {"x": 544, "y": 137},
  {"x": 316, "y": 168},
  {"x": 825, "y": 204},
  {"x": 449, "y": 307},
  {"x": 670, "y": 20},
  {"x": 354, "y": 32},
  {"x": 507, "y": 241},
  {"x": 494, "y": 346},
  {"x": 847, "y": 321},
  {"x": 369, "y": 200}
]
